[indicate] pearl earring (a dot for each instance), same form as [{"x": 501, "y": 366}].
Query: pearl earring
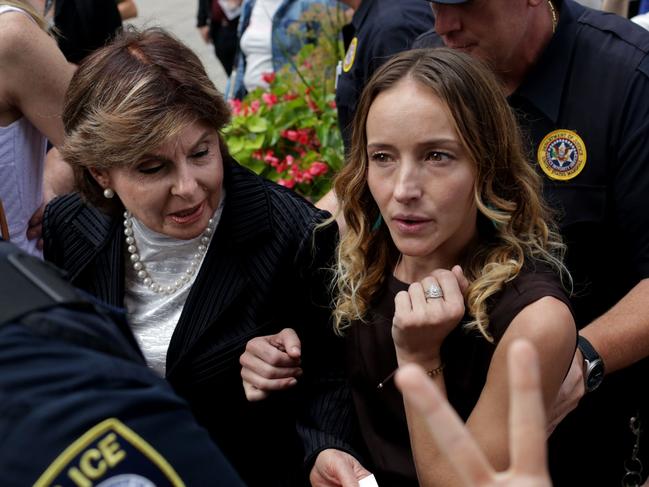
[{"x": 109, "y": 193}]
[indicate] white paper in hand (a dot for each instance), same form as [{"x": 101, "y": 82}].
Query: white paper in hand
[{"x": 369, "y": 481}]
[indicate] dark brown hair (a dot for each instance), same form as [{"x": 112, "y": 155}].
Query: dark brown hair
[{"x": 128, "y": 98}]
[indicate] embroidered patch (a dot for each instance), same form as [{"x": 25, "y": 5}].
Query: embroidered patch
[
  {"x": 562, "y": 155},
  {"x": 109, "y": 455},
  {"x": 350, "y": 56}
]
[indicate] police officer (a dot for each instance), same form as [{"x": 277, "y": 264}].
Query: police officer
[
  {"x": 78, "y": 406},
  {"x": 378, "y": 30},
  {"x": 579, "y": 80}
]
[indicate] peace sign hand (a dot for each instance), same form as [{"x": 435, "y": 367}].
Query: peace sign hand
[{"x": 526, "y": 418}]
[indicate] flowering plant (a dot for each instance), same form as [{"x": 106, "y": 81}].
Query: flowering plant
[{"x": 289, "y": 132}]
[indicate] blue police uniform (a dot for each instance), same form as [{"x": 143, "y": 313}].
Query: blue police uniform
[
  {"x": 584, "y": 109},
  {"x": 78, "y": 406},
  {"x": 379, "y": 29}
]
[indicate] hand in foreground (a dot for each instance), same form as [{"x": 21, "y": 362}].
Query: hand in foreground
[
  {"x": 526, "y": 418},
  {"x": 35, "y": 227},
  {"x": 270, "y": 363},
  {"x": 422, "y": 321},
  {"x": 335, "y": 468},
  {"x": 570, "y": 393},
  {"x": 57, "y": 179}
]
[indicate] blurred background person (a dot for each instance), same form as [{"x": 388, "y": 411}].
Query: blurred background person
[
  {"x": 83, "y": 25},
  {"x": 34, "y": 78},
  {"x": 219, "y": 27},
  {"x": 265, "y": 42}
]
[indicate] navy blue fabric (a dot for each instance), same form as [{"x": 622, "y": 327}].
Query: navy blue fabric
[
  {"x": 592, "y": 79},
  {"x": 53, "y": 391},
  {"x": 383, "y": 28}
]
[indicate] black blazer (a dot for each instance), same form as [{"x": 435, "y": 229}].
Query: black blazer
[{"x": 263, "y": 271}]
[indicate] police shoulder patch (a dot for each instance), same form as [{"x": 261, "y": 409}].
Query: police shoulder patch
[
  {"x": 350, "y": 55},
  {"x": 110, "y": 454},
  {"x": 562, "y": 154}
]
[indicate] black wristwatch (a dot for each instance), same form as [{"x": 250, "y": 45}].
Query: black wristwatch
[{"x": 593, "y": 365}]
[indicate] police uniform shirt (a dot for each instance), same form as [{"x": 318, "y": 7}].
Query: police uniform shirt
[
  {"x": 379, "y": 29},
  {"x": 585, "y": 107},
  {"x": 591, "y": 88},
  {"x": 73, "y": 415}
]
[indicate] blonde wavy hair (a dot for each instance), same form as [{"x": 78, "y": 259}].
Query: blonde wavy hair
[
  {"x": 513, "y": 222},
  {"x": 27, "y": 7}
]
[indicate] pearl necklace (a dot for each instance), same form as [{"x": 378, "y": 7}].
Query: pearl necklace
[{"x": 140, "y": 268}]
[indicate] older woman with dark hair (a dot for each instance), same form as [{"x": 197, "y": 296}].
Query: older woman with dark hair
[{"x": 202, "y": 253}]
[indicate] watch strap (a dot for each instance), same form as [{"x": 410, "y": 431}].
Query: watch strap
[{"x": 587, "y": 350}]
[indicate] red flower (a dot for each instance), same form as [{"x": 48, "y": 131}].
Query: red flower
[
  {"x": 254, "y": 106},
  {"x": 318, "y": 168},
  {"x": 290, "y": 96},
  {"x": 270, "y": 99},
  {"x": 289, "y": 183},
  {"x": 303, "y": 136},
  {"x": 332, "y": 104},
  {"x": 235, "y": 105},
  {"x": 268, "y": 77},
  {"x": 291, "y": 135},
  {"x": 289, "y": 160},
  {"x": 270, "y": 158}
]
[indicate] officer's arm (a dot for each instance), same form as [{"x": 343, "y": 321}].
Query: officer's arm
[{"x": 621, "y": 335}]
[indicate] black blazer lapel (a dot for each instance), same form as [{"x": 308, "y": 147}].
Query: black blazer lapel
[
  {"x": 223, "y": 277},
  {"x": 109, "y": 273},
  {"x": 96, "y": 241},
  {"x": 219, "y": 282}
]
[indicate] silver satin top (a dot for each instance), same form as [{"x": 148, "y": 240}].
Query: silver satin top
[{"x": 153, "y": 316}]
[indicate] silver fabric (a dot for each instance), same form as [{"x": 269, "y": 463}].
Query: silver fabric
[{"x": 154, "y": 316}]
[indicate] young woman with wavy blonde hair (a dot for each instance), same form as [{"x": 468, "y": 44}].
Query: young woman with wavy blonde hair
[{"x": 449, "y": 255}]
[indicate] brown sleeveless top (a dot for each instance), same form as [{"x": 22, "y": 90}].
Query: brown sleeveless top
[{"x": 467, "y": 355}]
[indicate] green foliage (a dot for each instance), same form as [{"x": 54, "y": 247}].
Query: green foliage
[{"x": 289, "y": 132}]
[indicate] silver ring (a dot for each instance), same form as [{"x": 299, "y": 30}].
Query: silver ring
[{"x": 434, "y": 292}]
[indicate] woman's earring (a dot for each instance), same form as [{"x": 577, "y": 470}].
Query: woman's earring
[
  {"x": 377, "y": 223},
  {"x": 109, "y": 193}
]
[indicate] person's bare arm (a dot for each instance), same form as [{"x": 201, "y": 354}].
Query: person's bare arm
[
  {"x": 621, "y": 338},
  {"x": 549, "y": 326},
  {"x": 35, "y": 75},
  {"x": 127, "y": 9},
  {"x": 620, "y": 7},
  {"x": 527, "y": 448}
]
